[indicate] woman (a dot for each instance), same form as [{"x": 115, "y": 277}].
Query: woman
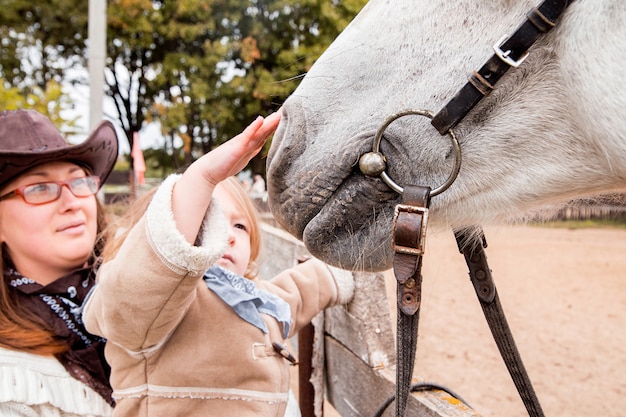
[{"x": 50, "y": 239}]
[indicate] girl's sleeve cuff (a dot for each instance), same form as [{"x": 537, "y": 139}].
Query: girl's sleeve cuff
[
  {"x": 171, "y": 245},
  {"x": 344, "y": 281}
]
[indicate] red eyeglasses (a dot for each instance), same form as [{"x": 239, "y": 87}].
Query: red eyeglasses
[{"x": 47, "y": 192}]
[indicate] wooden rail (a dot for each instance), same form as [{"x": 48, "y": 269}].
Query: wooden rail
[
  {"x": 357, "y": 343},
  {"x": 592, "y": 212}
]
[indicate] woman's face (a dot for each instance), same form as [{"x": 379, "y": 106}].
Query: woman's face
[
  {"x": 237, "y": 256},
  {"x": 49, "y": 240}
]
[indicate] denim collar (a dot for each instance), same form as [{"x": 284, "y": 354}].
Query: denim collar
[{"x": 248, "y": 301}]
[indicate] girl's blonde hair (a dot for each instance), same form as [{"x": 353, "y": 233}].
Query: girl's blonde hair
[
  {"x": 120, "y": 229},
  {"x": 233, "y": 186}
]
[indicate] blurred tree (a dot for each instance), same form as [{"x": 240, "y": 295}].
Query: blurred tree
[
  {"x": 51, "y": 101},
  {"x": 42, "y": 41},
  {"x": 38, "y": 54},
  {"x": 275, "y": 44},
  {"x": 203, "y": 69}
]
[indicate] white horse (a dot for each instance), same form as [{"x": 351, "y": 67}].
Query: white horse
[{"x": 553, "y": 129}]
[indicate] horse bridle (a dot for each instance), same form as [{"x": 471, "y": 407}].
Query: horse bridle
[{"x": 410, "y": 217}]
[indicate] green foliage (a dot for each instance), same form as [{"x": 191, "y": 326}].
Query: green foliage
[
  {"x": 203, "y": 69},
  {"x": 41, "y": 41},
  {"x": 51, "y": 101}
]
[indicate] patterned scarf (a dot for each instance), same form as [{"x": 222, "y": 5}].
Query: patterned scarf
[{"x": 60, "y": 304}]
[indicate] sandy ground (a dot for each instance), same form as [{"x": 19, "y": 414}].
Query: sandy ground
[{"x": 564, "y": 294}]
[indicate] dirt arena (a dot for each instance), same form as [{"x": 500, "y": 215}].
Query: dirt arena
[{"x": 564, "y": 293}]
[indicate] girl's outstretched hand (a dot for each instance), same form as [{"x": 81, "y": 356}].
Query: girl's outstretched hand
[
  {"x": 231, "y": 157},
  {"x": 193, "y": 192}
]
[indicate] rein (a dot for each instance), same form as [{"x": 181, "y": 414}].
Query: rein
[
  {"x": 508, "y": 52},
  {"x": 410, "y": 217}
]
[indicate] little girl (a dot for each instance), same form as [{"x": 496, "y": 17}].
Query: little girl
[{"x": 186, "y": 342}]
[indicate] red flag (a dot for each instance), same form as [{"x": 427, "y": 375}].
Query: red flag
[{"x": 139, "y": 165}]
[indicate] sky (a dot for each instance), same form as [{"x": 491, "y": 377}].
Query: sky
[{"x": 149, "y": 136}]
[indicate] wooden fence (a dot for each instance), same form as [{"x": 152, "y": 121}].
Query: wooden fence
[
  {"x": 584, "y": 211},
  {"x": 353, "y": 360}
]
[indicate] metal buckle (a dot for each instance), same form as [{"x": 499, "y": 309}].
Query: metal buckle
[
  {"x": 504, "y": 55},
  {"x": 405, "y": 208}
]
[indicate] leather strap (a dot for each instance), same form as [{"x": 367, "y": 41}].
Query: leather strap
[
  {"x": 539, "y": 20},
  {"x": 409, "y": 232},
  {"x": 485, "y": 287}
]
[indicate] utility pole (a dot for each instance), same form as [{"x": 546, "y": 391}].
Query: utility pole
[{"x": 97, "y": 54}]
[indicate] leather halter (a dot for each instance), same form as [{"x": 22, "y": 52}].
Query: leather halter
[
  {"x": 410, "y": 219},
  {"x": 409, "y": 235}
]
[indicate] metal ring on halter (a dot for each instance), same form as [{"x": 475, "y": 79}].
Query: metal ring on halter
[{"x": 374, "y": 163}]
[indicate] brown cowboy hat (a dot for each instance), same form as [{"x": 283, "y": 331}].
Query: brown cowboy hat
[{"x": 28, "y": 139}]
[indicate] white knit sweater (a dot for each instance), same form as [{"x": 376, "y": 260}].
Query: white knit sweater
[{"x": 39, "y": 386}]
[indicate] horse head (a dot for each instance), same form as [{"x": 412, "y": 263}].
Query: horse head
[{"x": 553, "y": 129}]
